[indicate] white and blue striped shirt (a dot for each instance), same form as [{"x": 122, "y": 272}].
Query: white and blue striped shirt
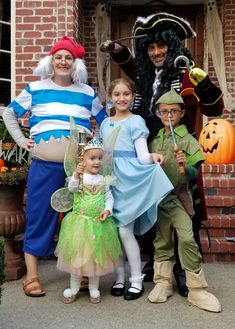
[{"x": 49, "y": 107}]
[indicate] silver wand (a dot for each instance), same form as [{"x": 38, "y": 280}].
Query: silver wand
[
  {"x": 176, "y": 148},
  {"x": 81, "y": 143}
]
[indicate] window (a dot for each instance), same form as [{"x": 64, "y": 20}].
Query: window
[{"x": 5, "y": 52}]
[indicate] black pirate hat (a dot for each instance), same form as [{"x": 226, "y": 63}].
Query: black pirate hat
[{"x": 163, "y": 22}]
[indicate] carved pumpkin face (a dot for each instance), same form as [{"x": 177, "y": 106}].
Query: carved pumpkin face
[{"x": 217, "y": 140}]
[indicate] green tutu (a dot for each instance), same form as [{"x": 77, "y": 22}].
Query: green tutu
[{"x": 88, "y": 246}]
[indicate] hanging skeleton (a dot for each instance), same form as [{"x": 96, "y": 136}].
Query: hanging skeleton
[{"x": 102, "y": 33}]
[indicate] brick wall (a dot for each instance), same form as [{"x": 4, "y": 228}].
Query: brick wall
[
  {"x": 219, "y": 188},
  {"x": 38, "y": 25},
  {"x": 229, "y": 43}
]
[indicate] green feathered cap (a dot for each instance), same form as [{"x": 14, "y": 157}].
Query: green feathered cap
[{"x": 171, "y": 97}]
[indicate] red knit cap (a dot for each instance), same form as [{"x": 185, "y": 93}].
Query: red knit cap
[{"x": 68, "y": 44}]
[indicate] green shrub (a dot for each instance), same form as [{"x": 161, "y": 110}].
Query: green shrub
[{"x": 2, "y": 276}]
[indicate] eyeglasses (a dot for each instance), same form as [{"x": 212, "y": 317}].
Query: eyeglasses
[{"x": 165, "y": 112}]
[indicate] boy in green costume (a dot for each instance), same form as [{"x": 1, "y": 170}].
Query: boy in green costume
[{"x": 182, "y": 157}]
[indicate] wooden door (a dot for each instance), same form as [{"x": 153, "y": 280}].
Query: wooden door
[{"x": 123, "y": 19}]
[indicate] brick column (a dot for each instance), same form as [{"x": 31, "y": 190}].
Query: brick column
[{"x": 219, "y": 188}]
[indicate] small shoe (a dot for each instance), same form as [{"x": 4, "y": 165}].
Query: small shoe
[
  {"x": 183, "y": 291},
  {"x": 129, "y": 295},
  {"x": 68, "y": 296},
  {"x": 148, "y": 271},
  {"x": 33, "y": 288},
  {"x": 180, "y": 279},
  {"x": 117, "y": 292},
  {"x": 69, "y": 300},
  {"x": 95, "y": 300},
  {"x": 84, "y": 284}
]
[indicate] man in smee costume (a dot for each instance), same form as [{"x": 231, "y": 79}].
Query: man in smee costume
[{"x": 158, "y": 41}]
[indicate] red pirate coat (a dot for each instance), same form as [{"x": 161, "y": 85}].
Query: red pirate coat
[{"x": 206, "y": 97}]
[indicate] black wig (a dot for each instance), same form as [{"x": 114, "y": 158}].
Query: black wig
[{"x": 146, "y": 69}]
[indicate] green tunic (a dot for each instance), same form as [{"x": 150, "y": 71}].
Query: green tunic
[
  {"x": 174, "y": 213},
  {"x": 187, "y": 143}
]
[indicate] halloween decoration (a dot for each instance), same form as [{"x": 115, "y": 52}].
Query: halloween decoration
[
  {"x": 2, "y": 163},
  {"x": 217, "y": 140}
]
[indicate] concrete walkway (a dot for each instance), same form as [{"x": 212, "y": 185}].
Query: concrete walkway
[{"x": 20, "y": 312}]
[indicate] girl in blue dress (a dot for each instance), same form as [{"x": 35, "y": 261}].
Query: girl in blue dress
[{"x": 141, "y": 184}]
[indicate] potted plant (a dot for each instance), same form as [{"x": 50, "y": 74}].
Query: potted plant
[
  {"x": 13, "y": 159},
  {"x": 7, "y": 141},
  {"x": 13, "y": 175}
]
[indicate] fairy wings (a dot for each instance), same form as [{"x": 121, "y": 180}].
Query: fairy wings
[{"x": 62, "y": 199}]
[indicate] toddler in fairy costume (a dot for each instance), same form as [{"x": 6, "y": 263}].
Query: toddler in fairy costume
[{"x": 88, "y": 242}]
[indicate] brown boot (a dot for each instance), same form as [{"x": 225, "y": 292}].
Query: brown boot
[
  {"x": 198, "y": 295},
  {"x": 163, "y": 282}
]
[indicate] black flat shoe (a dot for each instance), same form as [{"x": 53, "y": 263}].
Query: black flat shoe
[
  {"x": 180, "y": 279},
  {"x": 117, "y": 292},
  {"x": 129, "y": 295},
  {"x": 148, "y": 271}
]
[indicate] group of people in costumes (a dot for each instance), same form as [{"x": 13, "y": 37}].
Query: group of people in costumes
[{"x": 149, "y": 188}]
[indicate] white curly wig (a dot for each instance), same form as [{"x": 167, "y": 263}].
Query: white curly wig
[{"x": 44, "y": 69}]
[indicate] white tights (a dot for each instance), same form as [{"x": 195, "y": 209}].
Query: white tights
[
  {"x": 132, "y": 251},
  {"x": 75, "y": 282}
]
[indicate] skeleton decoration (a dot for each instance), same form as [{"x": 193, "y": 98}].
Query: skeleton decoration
[{"x": 102, "y": 33}]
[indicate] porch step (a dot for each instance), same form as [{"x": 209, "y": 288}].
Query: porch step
[
  {"x": 220, "y": 250},
  {"x": 221, "y": 229},
  {"x": 220, "y": 226}
]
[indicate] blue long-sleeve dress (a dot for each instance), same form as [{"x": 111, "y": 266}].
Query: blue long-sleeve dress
[{"x": 139, "y": 187}]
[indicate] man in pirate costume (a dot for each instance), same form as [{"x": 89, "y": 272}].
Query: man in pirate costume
[{"x": 158, "y": 41}]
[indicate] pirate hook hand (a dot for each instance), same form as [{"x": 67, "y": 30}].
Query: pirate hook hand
[
  {"x": 107, "y": 46},
  {"x": 197, "y": 75}
]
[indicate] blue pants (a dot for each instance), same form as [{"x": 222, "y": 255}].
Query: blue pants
[{"x": 41, "y": 219}]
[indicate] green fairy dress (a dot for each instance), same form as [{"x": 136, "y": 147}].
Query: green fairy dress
[{"x": 88, "y": 246}]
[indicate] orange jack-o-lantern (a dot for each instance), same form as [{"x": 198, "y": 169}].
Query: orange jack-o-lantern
[{"x": 217, "y": 140}]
